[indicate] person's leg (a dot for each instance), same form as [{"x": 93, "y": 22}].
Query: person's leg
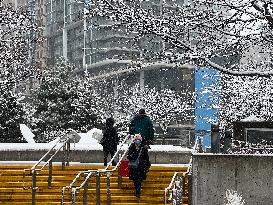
[
  {"x": 137, "y": 184},
  {"x": 112, "y": 155},
  {"x": 105, "y": 153}
]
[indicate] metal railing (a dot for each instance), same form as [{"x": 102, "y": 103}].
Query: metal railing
[
  {"x": 33, "y": 171},
  {"x": 175, "y": 190},
  {"x": 98, "y": 173}
]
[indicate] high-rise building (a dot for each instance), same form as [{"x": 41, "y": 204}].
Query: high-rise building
[
  {"x": 37, "y": 48},
  {"x": 97, "y": 45},
  {"x": 36, "y": 39}
]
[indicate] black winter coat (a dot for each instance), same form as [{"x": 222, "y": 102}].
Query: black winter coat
[
  {"x": 139, "y": 173},
  {"x": 142, "y": 124},
  {"x": 110, "y": 139}
]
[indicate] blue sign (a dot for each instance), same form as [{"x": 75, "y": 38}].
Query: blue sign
[{"x": 207, "y": 88}]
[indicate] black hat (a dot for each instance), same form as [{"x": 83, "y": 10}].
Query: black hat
[
  {"x": 110, "y": 121},
  {"x": 141, "y": 111}
]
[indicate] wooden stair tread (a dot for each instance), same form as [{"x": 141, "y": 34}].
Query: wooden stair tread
[{"x": 12, "y": 192}]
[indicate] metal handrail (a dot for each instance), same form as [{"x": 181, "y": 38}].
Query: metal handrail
[
  {"x": 33, "y": 170},
  {"x": 45, "y": 155},
  {"x": 89, "y": 173},
  {"x": 194, "y": 150},
  {"x": 171, "y": 185}
]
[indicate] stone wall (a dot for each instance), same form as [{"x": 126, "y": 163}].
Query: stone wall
[
  {"x": 250, "y": 175},
  {"x": 93, "y": 156}
]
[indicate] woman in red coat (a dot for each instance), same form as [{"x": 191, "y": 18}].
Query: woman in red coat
[{"x": 138, "y": 151}]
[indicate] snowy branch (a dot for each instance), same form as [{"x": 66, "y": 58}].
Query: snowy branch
[{"x": 221, "y": 31}]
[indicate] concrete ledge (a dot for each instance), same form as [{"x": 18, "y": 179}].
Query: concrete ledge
[
  {"x": 249, "y": 175},
  {"x": 93, "y": 156}
]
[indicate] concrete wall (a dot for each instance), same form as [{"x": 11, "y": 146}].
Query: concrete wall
[
  {"x": 250, "y": 175},
  {"x": 93, "y": 156}
]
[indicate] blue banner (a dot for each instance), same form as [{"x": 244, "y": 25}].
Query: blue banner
[{"x": 207, "y": 88}]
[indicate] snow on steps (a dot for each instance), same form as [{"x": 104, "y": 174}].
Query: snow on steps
[{"x": 11, "y": 191}]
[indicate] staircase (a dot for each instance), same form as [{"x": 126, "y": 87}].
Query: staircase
[{"x": 12, "y": 192}]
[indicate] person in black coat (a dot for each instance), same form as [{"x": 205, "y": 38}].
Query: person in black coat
[
  {"x": 138, "y": 150},
  {"x": 109, "y": 140}
]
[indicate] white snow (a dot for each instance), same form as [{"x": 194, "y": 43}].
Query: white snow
[
  {"x": 86, "y": 144},
  {"x": 95, "y": 134},
  {"x": 27, "y": 133},
  {"x": 252, "y": 118}
]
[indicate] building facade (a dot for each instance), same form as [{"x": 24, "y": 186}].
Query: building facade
[{"x": 98, "y": 45}]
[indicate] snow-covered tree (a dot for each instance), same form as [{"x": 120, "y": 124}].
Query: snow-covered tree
[
  {"x": 61, "y": 102},
  {"x": 222, "y": 34},
  {"x": 11, "y": 115},
  {"x": 243, "y": 96},
  {"x": 234, "y": 37},
  {"x": 15, "y": 26},
  {"x": 165, "y": 107}
]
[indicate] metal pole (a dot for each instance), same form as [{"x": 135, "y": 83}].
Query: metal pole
[
  {"x": 85, "y": 192},
  {"x": 33, "y": 191},
  {"x": 108, "y": 189},
  {"x": 73, "y": 196},
  {"x": 64, "y": 34},
  {"x": 49, "y": 180},
  {"x": 84, "y": 66},
  {"x": 98, "y": 189},
  {"x": 64, "y": 155},
  {"x": 190, "y": 189},
  {"x": 68, "y": 152},
  {"x": 119, "y": 177},
  {"x": 179, "y": 189}
]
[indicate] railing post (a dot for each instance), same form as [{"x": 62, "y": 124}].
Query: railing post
[
  {"x": 62, "y": 201},
  {"x": 64, "y": 156},
  {"x": 66, "y": 152},
  {"x": 85, "y": 192},
  {"x": 178, "y": 190},
  {"x": 49, "y": 180},
  {"x": 73, "y": 196},
  {"x": 190, "y": 189},
  {"x": 98, "y": 188},
  {"x": 33, "y": 191},
  {"x": 108, "y": 188},
  {"x": 119, "y": 177},
  {"x": 165, "y": 196}
]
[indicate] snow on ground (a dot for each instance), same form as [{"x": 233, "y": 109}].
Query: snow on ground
[
  {"x": 90, "y": 145},
  {"x": 85, "y": 141},
  {"x": 252, "y": 118}
]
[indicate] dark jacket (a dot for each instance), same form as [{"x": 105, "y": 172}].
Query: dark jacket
[
  {"x": 110, "y": 139},
  {"x": 139, "y": 173},
  {"x": 142, "y": 124}
]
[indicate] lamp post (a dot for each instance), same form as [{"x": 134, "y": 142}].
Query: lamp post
[
  {"x": 64, "y": 33},
  {"x": 84, "y": 65}
]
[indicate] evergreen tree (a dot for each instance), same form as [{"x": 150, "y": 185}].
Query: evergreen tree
[
  {"x": 11, "y": 112},
  {"x": 60, "y": 104}
]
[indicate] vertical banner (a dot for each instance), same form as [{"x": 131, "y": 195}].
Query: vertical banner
[{"x": 207, "y": 89}]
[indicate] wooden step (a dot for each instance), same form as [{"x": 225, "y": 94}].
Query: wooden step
[{"x": 12, "y": 192}]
